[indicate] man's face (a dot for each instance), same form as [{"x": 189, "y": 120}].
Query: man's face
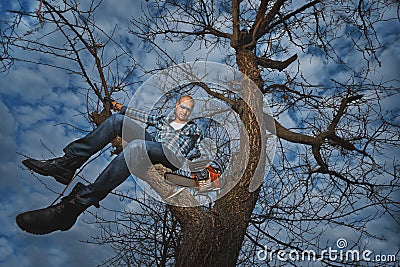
[{"x": 183, "y": 109}]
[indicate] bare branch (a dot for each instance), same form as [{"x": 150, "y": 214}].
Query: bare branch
[
  {"x": 236, "y": 23},
  {"x": 274, "y": 64}
]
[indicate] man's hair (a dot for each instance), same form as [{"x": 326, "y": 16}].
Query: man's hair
[{"x": 185, "y": 96}]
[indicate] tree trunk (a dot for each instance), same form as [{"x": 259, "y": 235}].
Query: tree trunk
[{"x": 214, "y": 237}]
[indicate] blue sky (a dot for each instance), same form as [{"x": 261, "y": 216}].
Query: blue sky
[{"x": 34, "y": 100}]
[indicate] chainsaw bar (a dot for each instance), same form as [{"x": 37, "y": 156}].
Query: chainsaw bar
[{"x": 180, "y": 180}]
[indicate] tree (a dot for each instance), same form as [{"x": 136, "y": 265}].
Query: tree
[{"x": 329, "y": 165}]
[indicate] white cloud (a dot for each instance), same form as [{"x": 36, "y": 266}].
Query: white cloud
[
  {"x": 7, "y": 134},
  {"x": 5, "y": 249},
  {"x": 390, "y": 59}
]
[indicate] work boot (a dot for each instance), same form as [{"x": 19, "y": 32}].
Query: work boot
[
  {"x": 61, "y": 216},
  {"x": 62, "y": 169}
]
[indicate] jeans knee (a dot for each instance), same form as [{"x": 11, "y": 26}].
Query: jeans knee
[
  {"x": 117, "y": 121},
  {"x": 135, "y": 152},
  {"x": 136, "y": 146}
]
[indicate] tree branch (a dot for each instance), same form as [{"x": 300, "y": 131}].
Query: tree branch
[
  {"x": 236, "y": 23},
  {"x": 275, "y": 64},
  {"x": 90, "y": 48},
  {"x": 291, "y": 136},
  {"x": 259, "y": 18},
  {"x": 345, "y": 101},
  {"x": 292, "y": 14},
  {"x": 268, "y": 19}
]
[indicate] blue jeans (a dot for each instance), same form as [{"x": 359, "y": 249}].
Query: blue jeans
[{"x": 117, "y": 171}]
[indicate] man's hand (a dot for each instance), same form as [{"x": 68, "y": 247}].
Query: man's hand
[
  {"x": 117, "y": 106},
  {"x": 114, "y": 105}
]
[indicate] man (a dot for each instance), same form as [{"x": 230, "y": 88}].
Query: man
[{"x": 176, "y": 138}]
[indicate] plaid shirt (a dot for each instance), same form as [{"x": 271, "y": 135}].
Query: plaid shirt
[{"x": 184, "y": 141}]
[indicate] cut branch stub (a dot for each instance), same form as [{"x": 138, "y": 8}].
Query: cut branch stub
[{"x": 276, "y": 64}]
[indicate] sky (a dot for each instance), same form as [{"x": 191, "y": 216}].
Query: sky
[{"x": 35, "y": 99}]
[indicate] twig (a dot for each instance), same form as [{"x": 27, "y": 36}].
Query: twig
[{"x": 38, "y": 12}]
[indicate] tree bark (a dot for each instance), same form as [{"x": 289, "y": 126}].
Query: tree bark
[{"x": 215, "y": 238}]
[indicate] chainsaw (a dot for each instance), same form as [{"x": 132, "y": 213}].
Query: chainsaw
[{"x": 205, "y": 176}]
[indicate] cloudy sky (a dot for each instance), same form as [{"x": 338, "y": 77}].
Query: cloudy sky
[{"x": 35, "y": 99}]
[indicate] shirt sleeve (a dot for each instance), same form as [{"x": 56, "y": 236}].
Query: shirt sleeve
[
  {"x": 141, "y": 116},
  {"x": 201, "y": 147},
  {"x": 197, "y": 148}
]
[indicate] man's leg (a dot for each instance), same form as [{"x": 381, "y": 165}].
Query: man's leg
[
  {"x": 104, "y": 134},
  {"x": 77, "y": 152},
  {"x": 63, "y": 215},
  {"x": 136, "y": 158}
]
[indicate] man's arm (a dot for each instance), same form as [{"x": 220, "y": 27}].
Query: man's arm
[
  {"x": 203, "y": 148},
  {"x": 141, "y": 116},
  {"x": 136, "y": 114}
]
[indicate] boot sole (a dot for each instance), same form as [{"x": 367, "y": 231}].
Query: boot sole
[
  {"x": 40, "y": 171},
  {"x": 23, "y": 227}
]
